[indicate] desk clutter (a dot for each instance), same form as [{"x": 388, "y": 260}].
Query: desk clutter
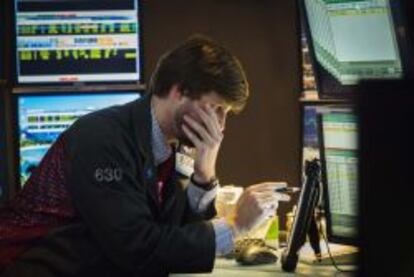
[{"x": 253, "y": 251}]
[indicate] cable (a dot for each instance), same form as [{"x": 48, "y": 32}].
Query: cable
[
  {"x": 318, "y": 207},
  {"x": 339, "y": 270}
]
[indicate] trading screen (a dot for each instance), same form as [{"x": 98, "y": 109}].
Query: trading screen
[
  {"x": 340, "y": 139},
  {"x": 77, "y": 41},
  {"x": 354, "y": 39},
  {"x": 43, "y": 118}
]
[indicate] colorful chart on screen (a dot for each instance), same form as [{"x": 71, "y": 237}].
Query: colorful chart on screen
[
  {"x": 43, "y": 118},
  {"x": 77, "y": 41}
]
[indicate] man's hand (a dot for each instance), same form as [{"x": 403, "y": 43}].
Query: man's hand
[
  {"x": 206, "y": 135},
  {"x": 257, "y": 203}
]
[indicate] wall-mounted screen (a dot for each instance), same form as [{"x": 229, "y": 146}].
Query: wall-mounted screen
[
  {"x": 77, "y": 41},
  {"x": 352, "y": 41},
  {"x": 42, "y": 118}
]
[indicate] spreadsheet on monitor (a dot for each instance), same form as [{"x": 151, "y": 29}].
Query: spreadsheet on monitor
[
  {"x": 341, "y": 159},
  {"x": 354, "y": 39}
]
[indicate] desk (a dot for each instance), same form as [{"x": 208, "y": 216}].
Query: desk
[{"x": 226, "y": 267}]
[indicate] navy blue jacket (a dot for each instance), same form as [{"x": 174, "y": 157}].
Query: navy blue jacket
[{"x": 119, "y": 229}]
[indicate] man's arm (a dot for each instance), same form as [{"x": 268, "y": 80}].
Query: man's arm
[
  {"x": 200, "y": 199},
  {"x": 201, "y": 204},
  {"x": 114, "y": 206}
]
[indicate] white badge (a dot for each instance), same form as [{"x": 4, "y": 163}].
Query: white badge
[{"x": 184, "y": 164}]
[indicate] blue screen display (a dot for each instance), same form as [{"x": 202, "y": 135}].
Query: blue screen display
[{"x": 43, "y": 118}]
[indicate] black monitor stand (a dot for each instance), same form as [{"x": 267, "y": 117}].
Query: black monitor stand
[{"x": 304, "y": 222}]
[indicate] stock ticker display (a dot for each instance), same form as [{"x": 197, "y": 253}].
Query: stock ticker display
[
  {"x": 42, "y": 118},
  {"x": 77, "y": 41}
]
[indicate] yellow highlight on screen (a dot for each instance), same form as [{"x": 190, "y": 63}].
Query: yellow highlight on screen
[{"x": 130, "y": 55}]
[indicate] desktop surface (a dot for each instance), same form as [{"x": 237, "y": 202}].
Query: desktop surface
[{"x": 229, "y": 267}]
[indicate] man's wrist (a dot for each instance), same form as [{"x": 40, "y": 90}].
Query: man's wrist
[
  {"x": 203, "y": 178},
  {"x": 207, "y": 183}
]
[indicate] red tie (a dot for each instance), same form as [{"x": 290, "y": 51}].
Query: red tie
[{"x": 164, "y": 172}]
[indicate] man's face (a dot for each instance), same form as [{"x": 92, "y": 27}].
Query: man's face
[{"x": 219, "y": 111}]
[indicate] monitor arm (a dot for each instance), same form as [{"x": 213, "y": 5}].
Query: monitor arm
[{"x": 304, "y": 222}]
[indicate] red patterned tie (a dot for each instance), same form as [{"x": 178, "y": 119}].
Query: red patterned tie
[{"x": 164, "y": 172}]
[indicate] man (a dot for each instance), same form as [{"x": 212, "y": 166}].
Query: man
[{"x": 110, "y": 199}]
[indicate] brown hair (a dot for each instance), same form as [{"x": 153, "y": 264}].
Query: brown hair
[{"x": 199, "y": 66}]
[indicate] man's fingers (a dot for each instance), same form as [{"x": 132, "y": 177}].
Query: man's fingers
[
  {"x": 273, "y": 196},
  {"x": 266, "y": 205},
  {"x": 268, "y": 199},
  {"x": 191, "y": 135},
  {"x": 202, "y": 132},
  {"x": 282, "y": 197},
  {"x": 268, "y": 186},
  {"x": 264, "y": 196},
  {"x": 219, "y": 118},
  {"x": 210, "y": 121},
  {"x": 278, "y": 185}
]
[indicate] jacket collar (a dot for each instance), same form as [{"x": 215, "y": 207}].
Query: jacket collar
[{"x": 142, "y": 126}]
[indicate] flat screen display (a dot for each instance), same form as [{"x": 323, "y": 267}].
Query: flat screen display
[
  {"x": 352, "y": 40},
  {"x": 339, "y": 155},
  {"x": 61, "y": 41},
  {"x": 42, "y": 118}
]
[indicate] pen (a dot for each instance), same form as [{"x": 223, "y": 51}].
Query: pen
[{"x": 287, "y": 189}]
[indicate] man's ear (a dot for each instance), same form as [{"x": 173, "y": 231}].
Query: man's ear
[{"x": 175, "y": 92}]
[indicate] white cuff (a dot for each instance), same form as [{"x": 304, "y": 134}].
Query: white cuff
[{"x": 200, "y": 198}]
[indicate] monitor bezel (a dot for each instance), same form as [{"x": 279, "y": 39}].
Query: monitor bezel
[
  {"x": 338, "y": 90},
  {"x": 331, "y": 236},
  {"x": 68, "y": 92},
  {"x": 15, "y": 74}
]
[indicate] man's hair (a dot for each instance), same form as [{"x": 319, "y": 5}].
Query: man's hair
[{"x": 199, "y": 66}]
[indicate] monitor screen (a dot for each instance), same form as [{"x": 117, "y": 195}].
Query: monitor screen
[
  {"x": 310, "y": 141},
  {"x": 310, "y": 128},
  {"x": 42, "y": 118},
  {"x": 352, "y": 41},
  {"x": 339, "y": 158},
  {"x": 77, "y": 41}
]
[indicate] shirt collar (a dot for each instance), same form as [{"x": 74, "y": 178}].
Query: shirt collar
[{"x": 160, "y": 148}]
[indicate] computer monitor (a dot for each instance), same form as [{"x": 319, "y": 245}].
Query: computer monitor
[
  {"x": 386, "y": 174},
  {"x": 310, "y": 131},
  {"x": 69, "y": 41},
  {"x": 339, "y": 172},
  {"x": 350, "y": 41},
  {"x": 42, "y": 118},
  {"x": 310, "y": 141},
  {"x": 310, "y": 126}
]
